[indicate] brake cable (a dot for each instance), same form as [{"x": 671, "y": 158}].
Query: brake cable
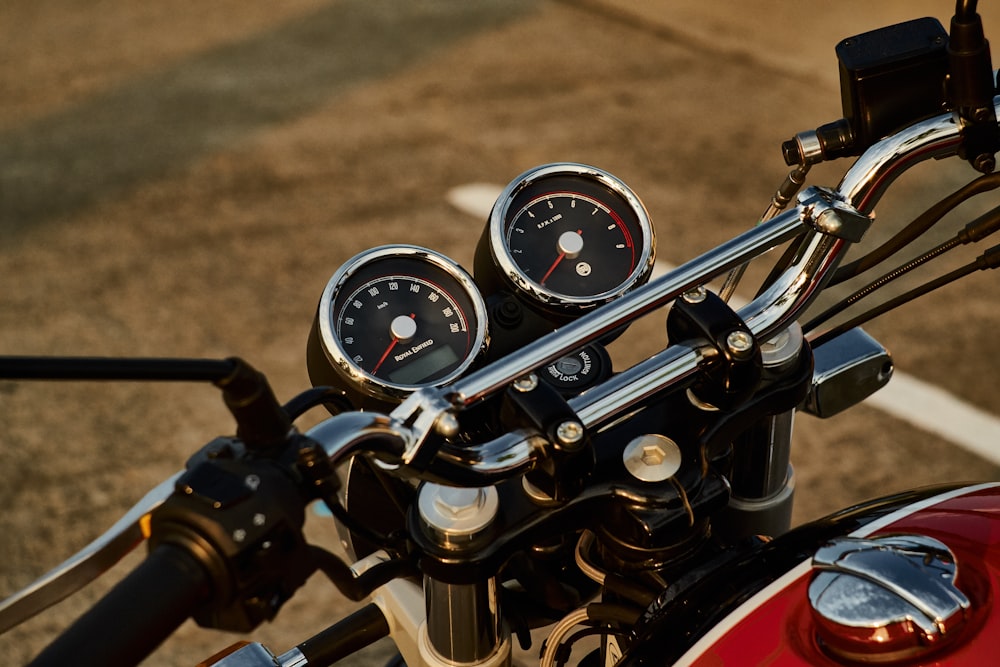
[
  {"x": 977, "y": 230},
  {"x": 988, "y": 260},
  {"x": 916, "y": 228}
]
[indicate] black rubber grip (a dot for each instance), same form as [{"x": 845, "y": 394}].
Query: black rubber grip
[{"x": 136, "y": 615}]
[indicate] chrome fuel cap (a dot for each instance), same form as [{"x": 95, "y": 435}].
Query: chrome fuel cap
[{"x": 886, "y": 598}]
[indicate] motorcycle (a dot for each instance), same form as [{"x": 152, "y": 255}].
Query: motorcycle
[{"x": 496, "y": 478}]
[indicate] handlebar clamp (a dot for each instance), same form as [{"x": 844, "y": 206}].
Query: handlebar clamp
[
  {"x": 736, "y": 371},
  {"x": 539, "y": 406}
]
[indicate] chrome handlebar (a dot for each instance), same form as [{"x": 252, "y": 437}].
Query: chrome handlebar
[{"x": 827, "y": 222}]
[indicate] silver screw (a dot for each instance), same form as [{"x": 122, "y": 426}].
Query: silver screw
[
  {"x": 740, "y": 343},
  {"x": 526, "y": 383},
  {"x": 695, "y": 295},
  {"x": 652, "y": 458},
  {"x": 570, "y": 432}
]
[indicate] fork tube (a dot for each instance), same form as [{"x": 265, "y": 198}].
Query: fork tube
[
  {"x": 762, "y": 479},
  {"x": 463, "y": 623}
]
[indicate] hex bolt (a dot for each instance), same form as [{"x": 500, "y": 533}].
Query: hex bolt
[
  {"x": 783, "y": 349},
  {"x": 525, "y": 383},
  {"x": 652, "y": 458},
  {"x": 569, "y": 432},
  {"x": 457, "y": 502},
  {"x": 695, "y": 294},
  {"x": 652, "y": 455},
  {"x": 740, "y": 343},
  {"x": 456, "y": 514}
]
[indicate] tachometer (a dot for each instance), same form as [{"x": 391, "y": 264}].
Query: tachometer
[
  {"x": 569, "y": 236},
  {"x": 394, "y": 319}
]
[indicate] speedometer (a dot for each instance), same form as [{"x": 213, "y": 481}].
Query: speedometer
[
  {"x": 568, "y": 236},
  {"x": 394, "y": 319}
]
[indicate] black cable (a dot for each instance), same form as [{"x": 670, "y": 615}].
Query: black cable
[
  {"x": 988, "y": 260},
  {"x": 975, "y": 231},
  {"x": 840, "y": 306},
  {"x": 600, "y": 615},
  {"x": 916, "y": 228},
  {"x": 358, "y": 528},
  {"x": 359, "y": 587},
  {"x": 566, "y": 648},
  {"x": 334, "y": 399}
]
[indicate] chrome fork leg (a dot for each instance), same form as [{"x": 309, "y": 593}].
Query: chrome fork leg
[{"x": 463, "y": 623}]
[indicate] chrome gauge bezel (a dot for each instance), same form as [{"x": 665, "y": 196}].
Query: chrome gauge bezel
[
  {"x": 342, "y": 362},
  {"x": 517, "y": 279}
]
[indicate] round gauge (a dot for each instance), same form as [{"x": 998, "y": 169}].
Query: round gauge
[
  {"x": 397, "y": 318},
  {"x": 571, "y": 236}
]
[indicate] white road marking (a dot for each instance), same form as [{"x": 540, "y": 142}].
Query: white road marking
[
  {"x": 476, "y": 199},
  {"x": 919, "y": 403}
]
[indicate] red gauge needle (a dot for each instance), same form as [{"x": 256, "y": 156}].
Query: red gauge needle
[
  {"x": 552, "y": 268},
  {"x": 385, "y": 354}
]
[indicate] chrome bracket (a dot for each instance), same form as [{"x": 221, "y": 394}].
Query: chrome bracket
[{"x": 825, "y": 212}]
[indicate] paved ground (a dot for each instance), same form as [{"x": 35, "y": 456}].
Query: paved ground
[{"x": 182, "y": 178}]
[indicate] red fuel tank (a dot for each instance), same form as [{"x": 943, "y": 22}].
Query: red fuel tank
[{"x": 915, "y": 586}]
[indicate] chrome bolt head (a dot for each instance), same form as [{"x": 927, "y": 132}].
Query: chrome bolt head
[
  {"x": 740, "y": 343},
  {"x": 652, "y": 455},
  {"x": 526, "y": 383},
  {"x": 782, "y": 350},
  {"x": 695, "y": 294},
  {"x": 569, "y": 432},
  {"x": 456, "y": 514},
  {"x": 457, "y": 502},
  {"x": 652, "y": 458}
]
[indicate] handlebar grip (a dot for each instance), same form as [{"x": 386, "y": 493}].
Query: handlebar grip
[{"x": 136, "y": 615}]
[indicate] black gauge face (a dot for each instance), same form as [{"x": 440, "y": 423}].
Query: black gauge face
[
  {"x": 572, "y": 244},
  {"x": 401, "y": 317},
  {"x": 571, "y": 236}
]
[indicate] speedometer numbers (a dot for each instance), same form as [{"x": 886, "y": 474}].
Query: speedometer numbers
[
  {"x": 568, "y": 237},
  {"x": 395, "y": 319}
]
